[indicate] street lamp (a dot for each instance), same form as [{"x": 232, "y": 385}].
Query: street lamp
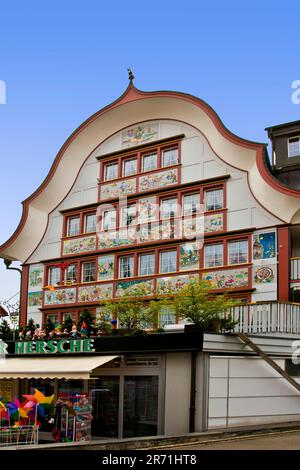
[{"x": 7, "y": 263}]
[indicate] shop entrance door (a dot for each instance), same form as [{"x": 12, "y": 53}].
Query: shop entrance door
[
  {"x": 140, "y": 410},
  {"x": 104, "y": 394}
]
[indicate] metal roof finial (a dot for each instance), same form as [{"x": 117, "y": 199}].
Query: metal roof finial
[{"x": 130, "y": 74}]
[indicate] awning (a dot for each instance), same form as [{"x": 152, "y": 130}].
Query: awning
[{"x": 51, "y": 368}]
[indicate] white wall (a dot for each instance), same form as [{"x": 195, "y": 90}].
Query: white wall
[{"x": 244, "y": 391}]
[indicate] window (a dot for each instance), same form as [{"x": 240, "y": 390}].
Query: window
[
  {"x": 149, "y": 162},
  {"x": 88, "y": 271},
  {"x": 90, "y": 223},
  {"x": 73, "y": 226},
  {"x": 213, "y": 255},
  {"x": 126, "y": 266},
  {"x": 191, "y": 204},
  {"x": 294, "y": 147},
  {"x": 128, "y": 215},
  {"x": 213, "y": 199},
  {"x": 168, "y": 208},
  {"x": 130, "y": 167},
  {"x": 168, "y": 261},
  {"x": 109, "y": 219},
  {"x": 170, "y": 157},
  {"x": 238, "y": 252},
  {"x": 110, "y": 171},
  {"x": 146, "y": 264},
  {"x": 166, "y": 316},
  {"x": 71, "y": 273},
  {"x": 53, "y": 276}
]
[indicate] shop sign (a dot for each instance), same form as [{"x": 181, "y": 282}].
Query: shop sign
[{"x": 53, "y": 346}]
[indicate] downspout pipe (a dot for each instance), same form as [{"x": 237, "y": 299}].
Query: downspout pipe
[{"x": 193, "y": 391}]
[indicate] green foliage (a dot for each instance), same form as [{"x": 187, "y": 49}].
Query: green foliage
[
  {"x": 131, "y": 311},
  {"x": 195, "y": 303},
  {"x": 86, "y": 316},
  {"x": 67, "y": 323},
  {"x": 31, "y": 326},
  {"x": 6, "y": 332},
  {"x": 49, "y": 326}
]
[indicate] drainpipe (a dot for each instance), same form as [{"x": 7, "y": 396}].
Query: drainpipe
[{"x": 193, "y": 391}]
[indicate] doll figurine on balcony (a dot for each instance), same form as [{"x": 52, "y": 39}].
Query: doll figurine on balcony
[
  {"x": 84, "y": 330},
  {"x": 74, "y": 332}
]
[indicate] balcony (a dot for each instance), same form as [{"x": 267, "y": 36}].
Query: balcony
[{"x": 267, "y": 318}]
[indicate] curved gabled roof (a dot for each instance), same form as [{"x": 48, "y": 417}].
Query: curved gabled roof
[{"x": 136, "y": 106}]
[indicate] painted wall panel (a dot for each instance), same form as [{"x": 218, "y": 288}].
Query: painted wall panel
[{"x": 217, "y": 407}]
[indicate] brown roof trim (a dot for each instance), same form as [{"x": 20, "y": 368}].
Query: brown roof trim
[
  {"x": 147, "y": 193},
  {"x": 148, "y": 145}
]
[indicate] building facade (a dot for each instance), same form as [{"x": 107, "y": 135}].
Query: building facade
[{"x": 148, "y": 193}]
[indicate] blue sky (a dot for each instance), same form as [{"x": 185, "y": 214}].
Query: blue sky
[{"x": 62, "y": 61}]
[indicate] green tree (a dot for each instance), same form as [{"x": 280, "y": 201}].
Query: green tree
[
  {"x": 196, "y": 303},
  {"x": 131, "y": 311},
  {"x": 6, "y": 332}
]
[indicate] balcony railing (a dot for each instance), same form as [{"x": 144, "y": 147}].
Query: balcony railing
[
  {"x": 267, "y": 317},
  {"x": 295, "y": 268}
]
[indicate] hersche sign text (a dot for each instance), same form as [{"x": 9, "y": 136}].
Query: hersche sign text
[{"x": 63, "y": 346}]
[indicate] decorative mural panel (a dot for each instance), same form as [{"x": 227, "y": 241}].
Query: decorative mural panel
[
  {"x": 192, "y": 227},
  {"x": 130, "y": 287},
  {"x": 172, "y": 283},
  {"x": 264, "y": 245},
  {"x": 35, "y": 299},
  {"x": 117, "y": 189},
  {"x": 121, "y": 238},
  {"x": 147, "y": 209},
  {"x": 95, "y": 293},
  {"x": 106, "y": 267},
  {"x": 60, "y": 296},
  {"x": 264, "y": 274},
  {"x": 149, "y": 232},
  {"x": 189, "y": 257},
  {"x": 139, "y": 134},
  {"x": 158, "y": 180},
  {"x": 227, "y": 279},
  {"x": 79, "y": 245},
  {"x": 36, "y": 277},
  {"x": 213, "y": 223}
]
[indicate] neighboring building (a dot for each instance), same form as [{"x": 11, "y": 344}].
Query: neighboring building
[
  {"x": 170, "y": 155},
  {"x": 286, "y": 153}
]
